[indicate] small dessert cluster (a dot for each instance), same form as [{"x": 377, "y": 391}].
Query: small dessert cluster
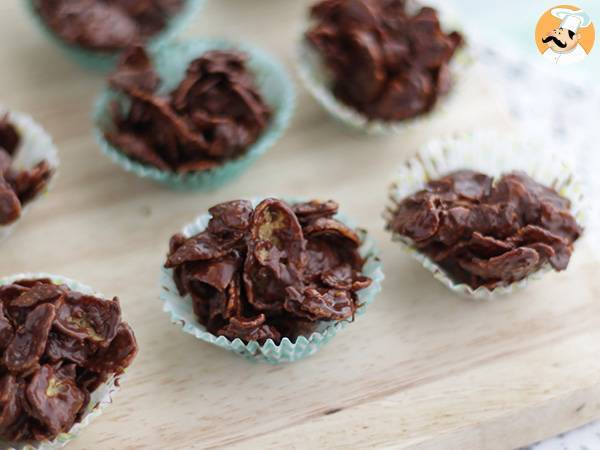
[
  {"x": 214, "y": 114},
  {"x": 269, "y": 272},
  {"x": 486, "y": 233},
  {"x": 17, "y": 187},
  {"x": 107, "y": 25},
  {"x": 58, "y": 346},
  {"x": 385, "y": 62}
]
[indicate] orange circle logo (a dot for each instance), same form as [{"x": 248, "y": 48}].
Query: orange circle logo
[{"x": 565, "y": 34}]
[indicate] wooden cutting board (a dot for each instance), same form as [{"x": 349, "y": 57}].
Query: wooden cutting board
[{"x": 422, "y": 369}]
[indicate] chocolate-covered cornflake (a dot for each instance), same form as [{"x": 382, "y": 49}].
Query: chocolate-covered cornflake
[
  {"x": 487, "y": 232},
  {"x": 17, "y": 187},
  {"x": 107, "y": 25},
  {"x": 269, "y": 272},
  {"x": 211, "y": 117},
  {"x": 57, "y": 347},
  {"x": 384, "y": 61}
]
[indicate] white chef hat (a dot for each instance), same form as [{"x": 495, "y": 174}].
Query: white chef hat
[{"x": 572, "y": 20}]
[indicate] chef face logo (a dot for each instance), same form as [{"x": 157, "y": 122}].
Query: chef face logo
[
  {"x": 565, "y": 34},
  {"x": 560, "y": 40}
]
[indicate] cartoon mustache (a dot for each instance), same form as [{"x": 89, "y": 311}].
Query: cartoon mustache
[{"x": 556, "y": 41}]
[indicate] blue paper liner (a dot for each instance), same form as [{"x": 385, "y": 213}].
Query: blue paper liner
[
  {"x": 99, "y": 61},
  {"x": 180, "y": 308},
  {"x": 171, "y": 62}
]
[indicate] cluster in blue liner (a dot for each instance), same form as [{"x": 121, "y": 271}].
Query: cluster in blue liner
[
  {"x": 109, "y": 25},
  {"x": 274, "y": 271},
  {"x": 213, "y": 115}
]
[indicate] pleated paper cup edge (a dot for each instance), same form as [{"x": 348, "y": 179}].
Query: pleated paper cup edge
[
  {"x": 111, "y": 386},
  {"x": 270, "y": 352},
  {"x": 467, "y": 150}
]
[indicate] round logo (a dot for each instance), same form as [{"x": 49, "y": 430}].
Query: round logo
[{"x": 565, "y": 34}]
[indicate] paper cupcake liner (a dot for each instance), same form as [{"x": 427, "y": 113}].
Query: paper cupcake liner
[
  {"x": 99, "y": 61},
  {"x": 171, "y": 63},
  {"x": 313, "y": 74},
  {"x": 180, "y": 308},
  {"x": 99, "y": 399},
  {"x": 493, "y": 153},
  {"x": 35, "y": 146}
]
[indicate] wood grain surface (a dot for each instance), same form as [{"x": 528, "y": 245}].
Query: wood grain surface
[{"x": 422, "y": 369}]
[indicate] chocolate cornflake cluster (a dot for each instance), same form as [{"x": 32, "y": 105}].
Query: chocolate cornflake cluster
[
  {"x": 385, "y": 62},
  {"x": 58, "y": 346},
  {"x": 214, "y": 114},
  {"x": 107, "y": 25},
  {"x": 269, "y": 272},
  {"x": 487, "y": 233},
  {"x": 17, "y": 187}
]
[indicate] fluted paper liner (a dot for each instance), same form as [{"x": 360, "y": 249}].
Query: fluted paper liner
[
  {"x": 102, "y": 61},
  {"x": 171, "y": 63},
  {"x": 493, "y": 153},
  {"x": 35, "y": 146},
  {"x": 314, "y": 75},
  {"x": 99, "y": 399},
  {"x": 180, "y": 308}
]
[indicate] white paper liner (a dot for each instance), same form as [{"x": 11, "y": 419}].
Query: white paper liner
[
  {"x": 35, "y": 146},
  {"x": 315, "y": 78},
  {"x": 180, "y": 308},
  {"x": 99, "y": 399},
  {"x": 493, "y": 153}
]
